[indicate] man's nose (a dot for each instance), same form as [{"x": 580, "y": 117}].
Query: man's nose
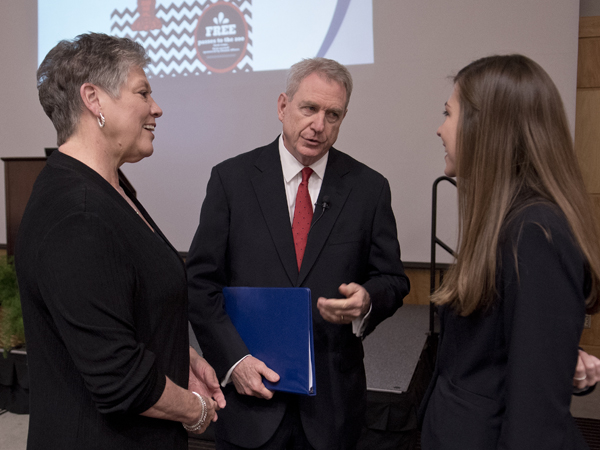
[{"x": 318, "y": 123}]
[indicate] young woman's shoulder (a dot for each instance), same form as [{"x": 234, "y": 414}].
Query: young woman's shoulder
[
  {"x": 537, "y": 224},
  {"x": 537, "y": 212}
]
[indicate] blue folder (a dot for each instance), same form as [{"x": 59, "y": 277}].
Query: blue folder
[{"x": 276, "y": 326}]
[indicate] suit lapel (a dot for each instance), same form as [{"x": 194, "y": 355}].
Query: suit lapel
[
  {"x": 337, "y": 188},
  {"x": 269, "y": 188}
]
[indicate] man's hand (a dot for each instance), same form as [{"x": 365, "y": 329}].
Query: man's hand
[
  {"x": 203, "y": 380},
  {"x": 345, "y": 310},
  {"x": 587, "y": 372},
  {"x": 247, "y": 378}
]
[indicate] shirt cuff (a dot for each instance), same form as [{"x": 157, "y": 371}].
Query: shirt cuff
[
  {"x": 230, "y": 371},
  {"x": 360, "y": 323}
]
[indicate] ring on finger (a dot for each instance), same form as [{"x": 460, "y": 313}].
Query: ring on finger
[
  {"x": 342, "y": 318},
  {"x": 576, "y": 379}
]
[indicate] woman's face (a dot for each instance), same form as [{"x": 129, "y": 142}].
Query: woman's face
[
  {"x": 131, "y": 118},
  {"x": 448, "y": 130}
]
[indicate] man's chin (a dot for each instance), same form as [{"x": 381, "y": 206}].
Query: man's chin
[{"x": 312, "y": 153}]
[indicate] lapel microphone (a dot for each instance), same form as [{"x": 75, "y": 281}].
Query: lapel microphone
[{"x": 325, "y": 205}]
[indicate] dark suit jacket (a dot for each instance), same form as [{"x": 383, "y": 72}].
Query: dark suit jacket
[
  {"x": 245, "y": 239},
  {"x": 503, "y": 377}
]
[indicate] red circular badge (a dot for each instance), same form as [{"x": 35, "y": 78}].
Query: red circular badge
[{"x": 221, "y": 37}]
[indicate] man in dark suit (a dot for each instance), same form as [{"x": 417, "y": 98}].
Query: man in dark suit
[{"x": 269, "y": 221}]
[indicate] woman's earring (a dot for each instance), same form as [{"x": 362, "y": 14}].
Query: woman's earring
[{"x": 101, "y": 121}]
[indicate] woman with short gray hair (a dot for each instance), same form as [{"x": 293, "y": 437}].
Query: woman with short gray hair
[{"x": 103, "y": 292}]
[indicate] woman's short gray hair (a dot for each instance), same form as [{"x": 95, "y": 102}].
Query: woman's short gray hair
[
  {"x": 95, "y": 58},
  {"x": 328, "y": 68}
]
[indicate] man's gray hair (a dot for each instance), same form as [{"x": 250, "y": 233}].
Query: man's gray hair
[{"x": 328, "y": 68}]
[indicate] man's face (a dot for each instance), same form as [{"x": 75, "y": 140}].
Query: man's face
[{"x": 312, "y": 118}]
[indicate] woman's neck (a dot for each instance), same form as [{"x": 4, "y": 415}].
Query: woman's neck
[{"x": 96, "y": 159}]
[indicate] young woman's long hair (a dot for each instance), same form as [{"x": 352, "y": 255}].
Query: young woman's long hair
[{"x": 513, "y": 138}]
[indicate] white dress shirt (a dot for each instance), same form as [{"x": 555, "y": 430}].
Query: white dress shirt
[{"x": 292, "y": 175}]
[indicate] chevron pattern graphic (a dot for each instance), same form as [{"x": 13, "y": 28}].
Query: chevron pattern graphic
[{"x": 166, "y": 29}]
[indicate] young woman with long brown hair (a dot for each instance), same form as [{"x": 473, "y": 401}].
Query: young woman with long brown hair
[{"x": 528, "y": 266}]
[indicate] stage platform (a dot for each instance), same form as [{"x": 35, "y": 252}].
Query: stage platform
[
  {"x": 399, "y": 359},
  {"x": 393, "y": 350}
]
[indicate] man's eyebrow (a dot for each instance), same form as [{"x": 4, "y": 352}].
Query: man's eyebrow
[{"x": 338, "y": 111}]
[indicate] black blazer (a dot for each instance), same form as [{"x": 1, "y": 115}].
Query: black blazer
[
  {"x": 245, "y": 239},
  {"x": 503, "y": 378},
  {"x": 105, "y": 309}
]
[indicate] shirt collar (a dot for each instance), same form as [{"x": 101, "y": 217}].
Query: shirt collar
[{"x": 292, "y": 167}]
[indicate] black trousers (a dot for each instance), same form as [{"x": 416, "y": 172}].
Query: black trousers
[{"x": 288, "y": 436}]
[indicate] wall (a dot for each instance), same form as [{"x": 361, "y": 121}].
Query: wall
[
  {"x": 394, "y": 113},
  {"x": 589, "y": 8}
]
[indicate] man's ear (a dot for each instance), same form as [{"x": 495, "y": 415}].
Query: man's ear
[
  {"x": 91, "y": 98},
  {"x": 282, "y": 103}
]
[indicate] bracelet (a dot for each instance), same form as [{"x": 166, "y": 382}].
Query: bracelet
[{"x": 200, "y": 422}]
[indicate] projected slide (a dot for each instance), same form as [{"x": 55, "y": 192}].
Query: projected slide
[{"x": 186, "y": 37}]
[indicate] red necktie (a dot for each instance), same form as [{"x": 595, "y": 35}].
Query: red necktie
[{"x": 303, "y": 214}]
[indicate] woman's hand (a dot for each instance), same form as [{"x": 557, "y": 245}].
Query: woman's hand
[
  {"x": 207, "y": 412},
  {"x": 203, "y": 380},
  {"x": 587, "y": 372}
]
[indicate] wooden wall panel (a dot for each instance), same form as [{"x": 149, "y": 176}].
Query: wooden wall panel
[
  {"x": 587, "y": 65},
  {"x": 589, "y": 26},
  {"x": 587, "y": 136},
  {"x": 19, "y": 176},
  {"x": 419, "y": 287},
  {"x": 590, "y": 339}
]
